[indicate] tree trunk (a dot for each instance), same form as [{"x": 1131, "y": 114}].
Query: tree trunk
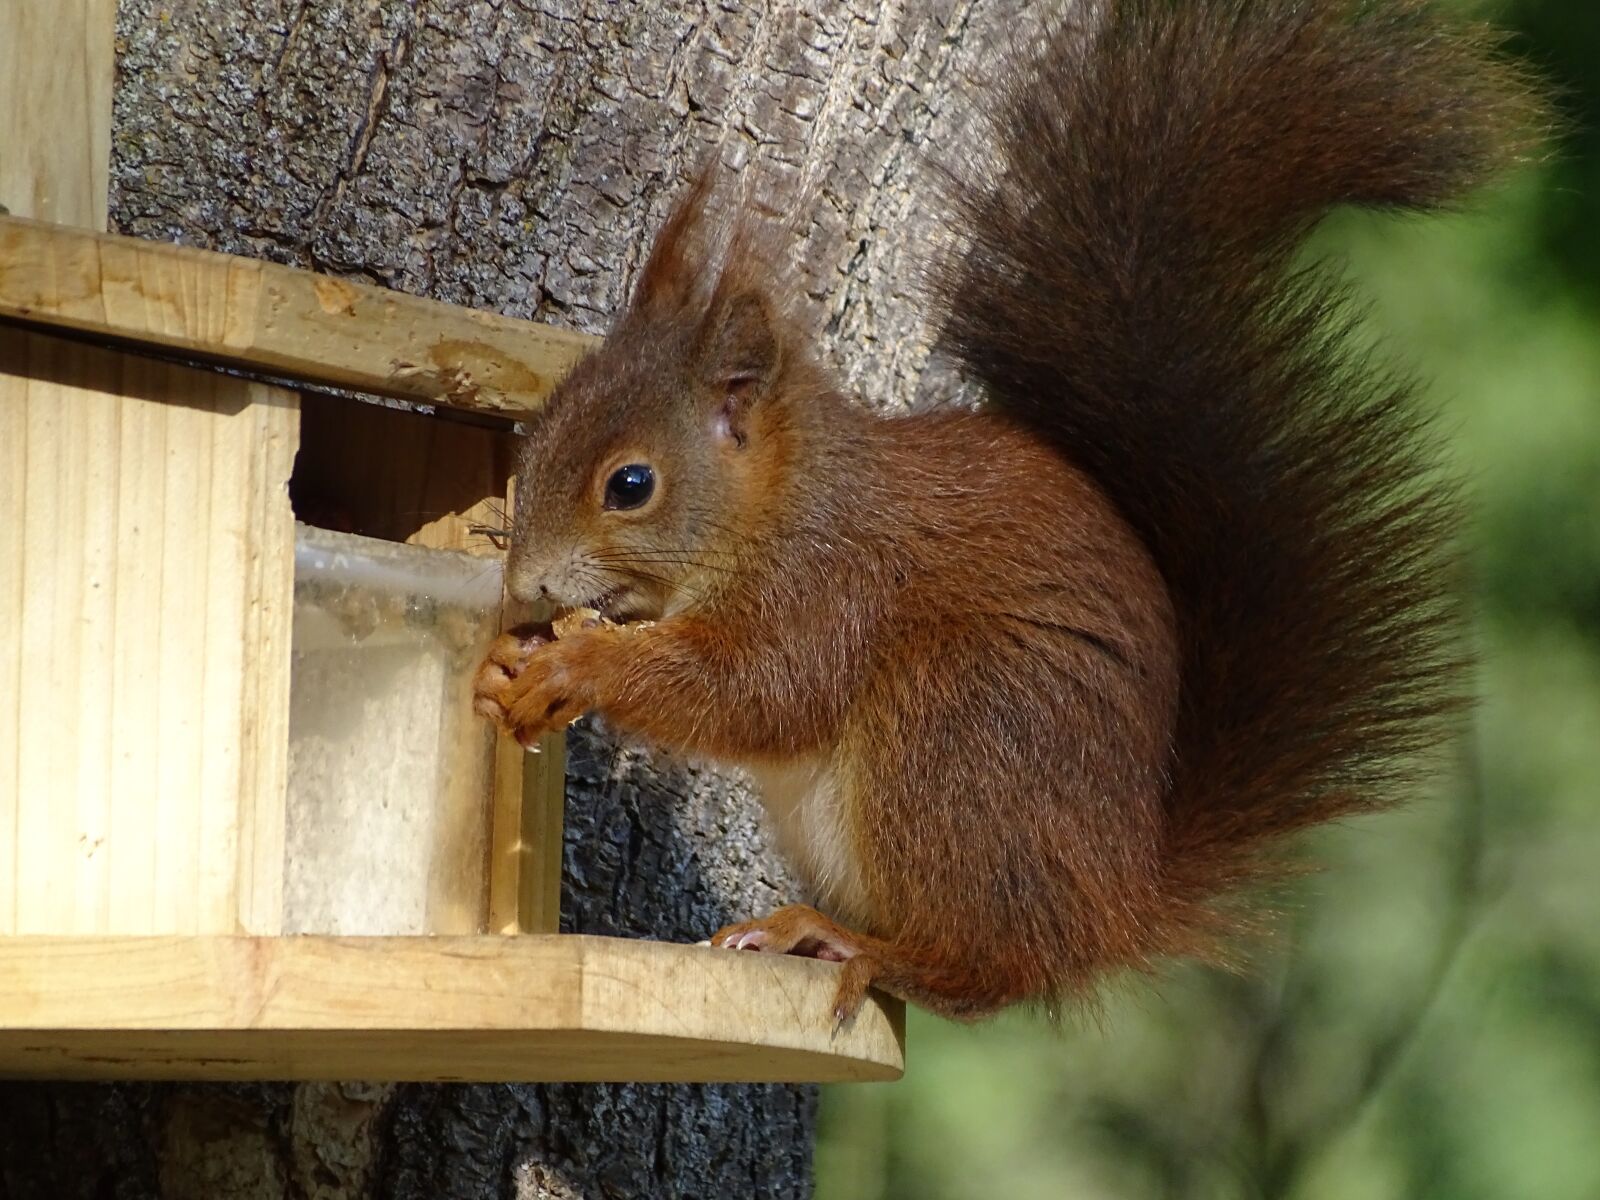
[{"x": 515, "y": 155}]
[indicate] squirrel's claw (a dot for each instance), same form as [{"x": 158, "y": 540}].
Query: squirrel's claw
[{"x": 803, "y": 931}]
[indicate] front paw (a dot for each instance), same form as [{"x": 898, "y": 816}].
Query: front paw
[
  {"x": 527, "y": 686},
  {"x": 509, "y": 655}
]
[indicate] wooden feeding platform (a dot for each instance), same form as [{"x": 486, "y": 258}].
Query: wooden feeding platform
[
  {"x": 248, "y": 826},
  {"x": 438, "y": 1008}
]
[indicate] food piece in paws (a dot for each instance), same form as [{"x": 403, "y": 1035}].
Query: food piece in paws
[
  {"x": 573, "y": 619},
  {"x": 568, "y": 623}
]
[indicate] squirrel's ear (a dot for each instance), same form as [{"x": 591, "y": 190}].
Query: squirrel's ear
[
  {"x": 674, "y": 274},
  {"x": 742, "y": 353}
]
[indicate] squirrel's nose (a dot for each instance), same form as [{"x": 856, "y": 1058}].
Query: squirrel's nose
[{"x": 523, "y": 582}]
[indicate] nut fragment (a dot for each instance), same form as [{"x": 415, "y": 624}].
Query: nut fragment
[{"x": 574, "y": 619}]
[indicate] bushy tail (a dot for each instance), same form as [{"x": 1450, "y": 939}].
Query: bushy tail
[{"x": 1130, "y": 289}]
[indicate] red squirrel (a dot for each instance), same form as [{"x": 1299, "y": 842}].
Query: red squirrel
[{"x": 1031, "y": 691}]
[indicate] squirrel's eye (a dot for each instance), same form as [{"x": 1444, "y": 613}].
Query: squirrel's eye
[{"x": 630, "y": 486}]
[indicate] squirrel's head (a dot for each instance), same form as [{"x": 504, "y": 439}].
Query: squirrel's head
[{"x": 653, "y": 463}]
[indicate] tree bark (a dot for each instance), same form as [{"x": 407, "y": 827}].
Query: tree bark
[{"x": 515, "y": 155}]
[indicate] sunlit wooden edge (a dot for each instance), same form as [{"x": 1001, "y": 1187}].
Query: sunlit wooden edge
[
  {"x": 489, "y": 1008},
  {"x": 290, "y": 324}
]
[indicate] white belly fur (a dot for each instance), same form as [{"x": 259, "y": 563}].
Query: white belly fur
[{"x": 807, "y": 811}]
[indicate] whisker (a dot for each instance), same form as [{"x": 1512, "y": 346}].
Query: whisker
[
  {"x": 625, "y": 562},
  {"x": 674, "y": 585},
  {"x": 490, "y": 565},
  {"x": 684, "y": 552},
  {"x": 642, "y": 568},
  {"x": 672, "y": 549},
  {"x": 681, "y": 589},
  {"x": 681, "y": 551}
]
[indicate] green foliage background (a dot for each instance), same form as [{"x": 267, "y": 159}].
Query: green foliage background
[{"x": 1428, "y": 1024}]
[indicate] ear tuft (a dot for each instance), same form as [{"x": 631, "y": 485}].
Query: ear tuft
[{"x": 674, "y": 275}]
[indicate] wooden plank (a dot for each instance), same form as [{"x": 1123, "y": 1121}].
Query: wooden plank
[
  {"x": 55, "y": 109},
  {"x": 143, "y": 734},
  {"x": 147, "y": 526},
  {"x": 55, "y": 123},
  {"x": 485, "y": 1008},
  {"x": 263, "y": 559},
  {"x": 544, "y": 793},
  {"x": 275, "y": 319},
  {"x": 525, "y": 836},
  {"x": 506, "y": 845}
]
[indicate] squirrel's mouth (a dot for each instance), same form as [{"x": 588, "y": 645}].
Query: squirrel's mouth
[
  {"x": 606, "y": 602},
  {"x": 619, "y": 604}
]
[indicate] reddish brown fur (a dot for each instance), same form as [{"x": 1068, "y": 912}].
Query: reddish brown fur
[{"x": 1071, "y": 663}]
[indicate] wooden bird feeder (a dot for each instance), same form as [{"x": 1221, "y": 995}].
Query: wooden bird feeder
[{"x": 249, "y": 827}]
